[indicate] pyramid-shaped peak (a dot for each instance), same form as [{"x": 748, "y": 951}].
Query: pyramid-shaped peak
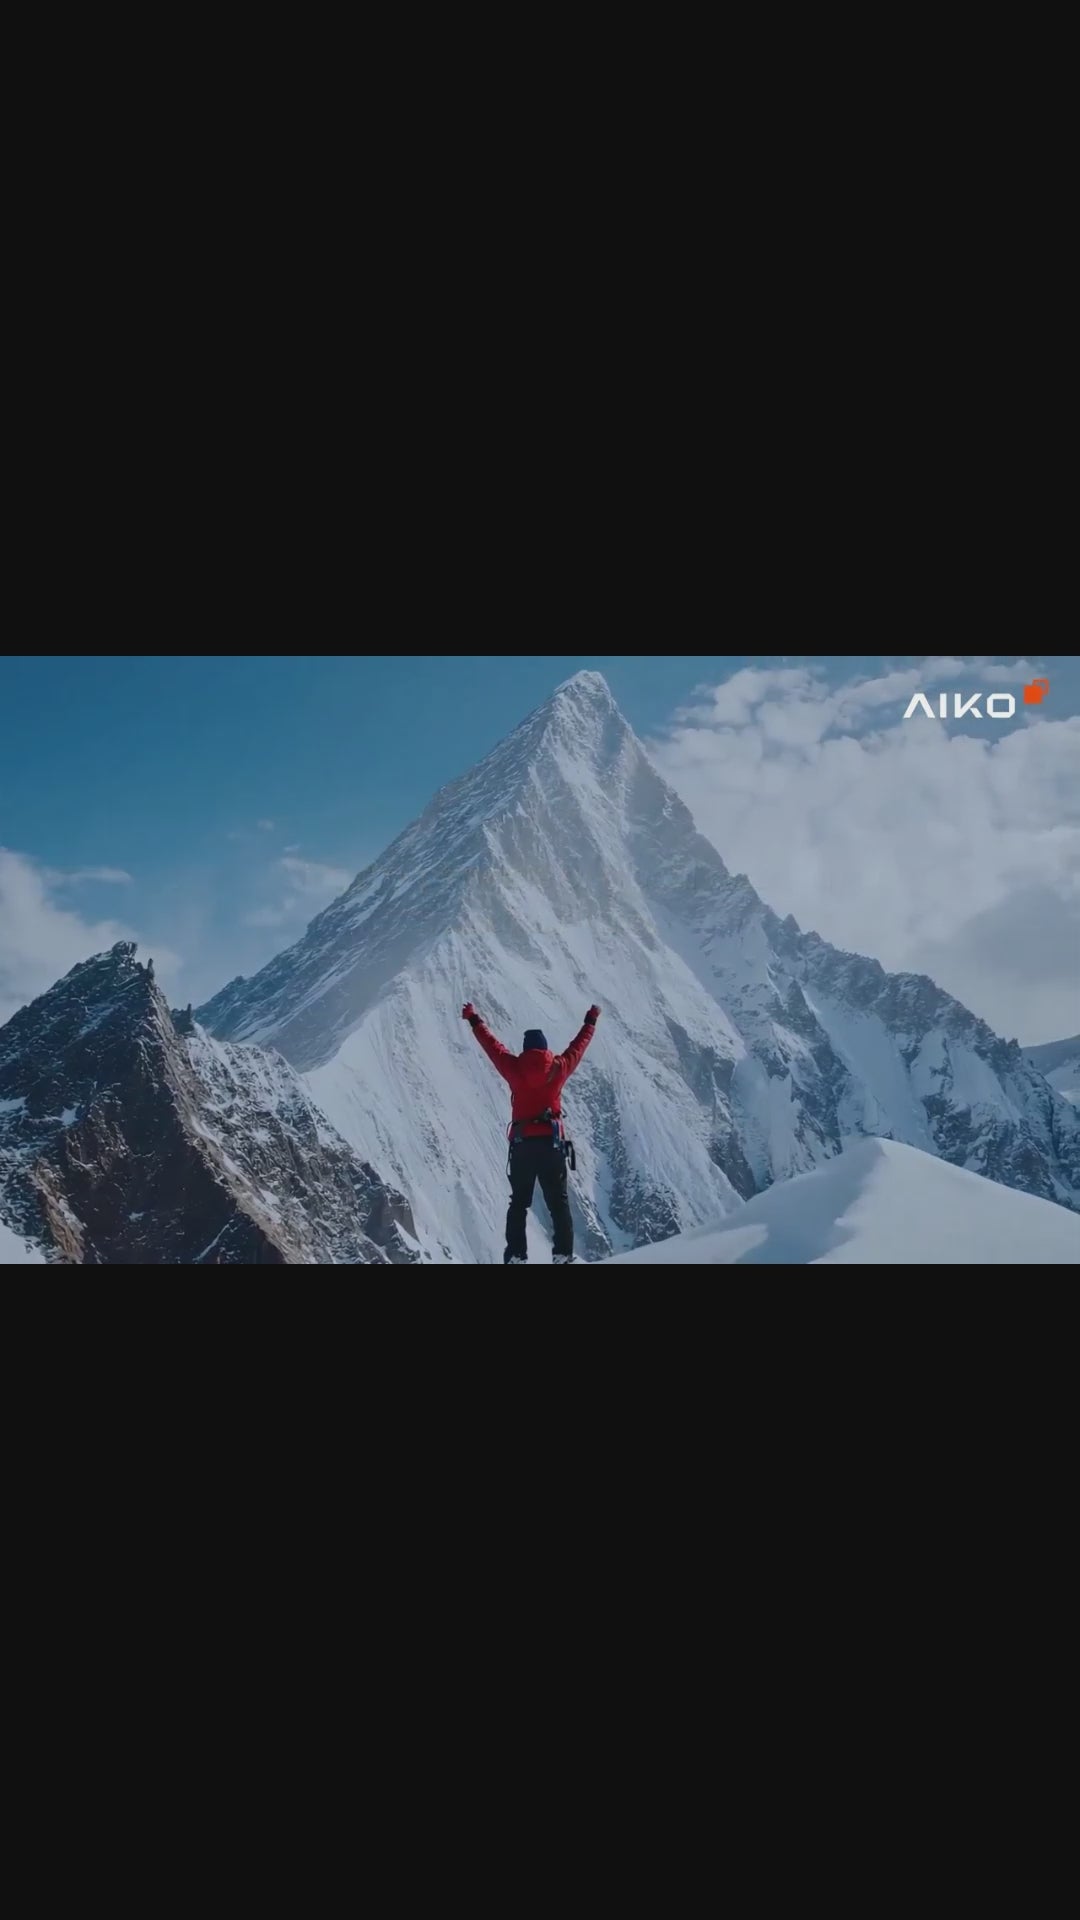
[
  {"x": 583, "y": 714},
  {"x": 587, "y": 685}
]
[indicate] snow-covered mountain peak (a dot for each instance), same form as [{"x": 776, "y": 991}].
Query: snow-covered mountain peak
[
  {"x": 127, "y": 1135},
  {"x": 578, "y": 732},
  {"x": 584, "y": 722},
  {"x": 550, "y": 811},
  {"x": 578, "y": 737},
  {"x": 581, "y": 705},
  {"x": 78, "y": 1019},
  {"x": 586, "y": 685},
  {"x": 734, "y": 1049}
]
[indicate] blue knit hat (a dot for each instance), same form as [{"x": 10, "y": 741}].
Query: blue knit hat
[{"x": 534, "y": 1038}]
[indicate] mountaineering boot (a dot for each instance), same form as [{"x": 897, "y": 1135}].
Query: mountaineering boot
[
  {"x": 566, "y": 1260},
  {"x": 515, "y": 1262}
]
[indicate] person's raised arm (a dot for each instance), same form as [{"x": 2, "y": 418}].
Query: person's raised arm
[
  {"x": 573, "y": 1055},
  {"x": 501, "y": 1057}
]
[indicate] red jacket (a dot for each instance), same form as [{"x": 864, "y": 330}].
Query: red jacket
[{"x": 536, "y": 1078}]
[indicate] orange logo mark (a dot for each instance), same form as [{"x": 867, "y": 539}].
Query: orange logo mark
[{"x": 1037, "y": 690}]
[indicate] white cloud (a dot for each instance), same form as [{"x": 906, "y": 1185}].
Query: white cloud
[
  {"x": 952, "y": 854},
  {"x": 312, "y": 877},
  {"x": 311, "y": 885},
  {"x": 795, "y": 705},
  {"x": 265, "y": 826},
  {"x": 111, "y": 876},
  {"x": 41, "y": 940}
]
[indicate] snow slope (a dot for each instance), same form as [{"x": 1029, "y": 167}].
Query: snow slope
[
  {"x": 734, "y": 1050},
  {"x": 882, "y": 1204},
  {"x": 1059, "y": 1062},
  {"x": 15, "y": 1252}
]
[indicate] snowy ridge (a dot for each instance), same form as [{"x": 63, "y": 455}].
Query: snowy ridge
[
  {"x": 1059, "y": 1063},
  {"x": 733, "y": 1051},
  {"x": 880, "y": 1204}
]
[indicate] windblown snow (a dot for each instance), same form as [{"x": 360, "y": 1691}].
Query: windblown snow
[
  {"x": 881, "y": 1204},
  {"x": 733, "y": 1051}
]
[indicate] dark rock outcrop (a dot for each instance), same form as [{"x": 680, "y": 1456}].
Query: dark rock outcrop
[{"x": 128, "y": 1137}]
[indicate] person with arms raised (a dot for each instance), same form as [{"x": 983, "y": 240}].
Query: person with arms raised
[{"x": 538, "y": 1147}]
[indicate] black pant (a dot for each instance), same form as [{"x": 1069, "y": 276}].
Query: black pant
[{"x": 530, "y": 1161}]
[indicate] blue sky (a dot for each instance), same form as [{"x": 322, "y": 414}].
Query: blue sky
[
  {"x": 156, "y": 759},
  {"x": 239, "y": 795},
  {"x": 163, "y": 768}
]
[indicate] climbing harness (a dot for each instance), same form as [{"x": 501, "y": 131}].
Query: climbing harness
[{"x": 562, "y": 1142}]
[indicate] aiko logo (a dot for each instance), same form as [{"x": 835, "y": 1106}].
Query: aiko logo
[{"x": 999, "y": 706}]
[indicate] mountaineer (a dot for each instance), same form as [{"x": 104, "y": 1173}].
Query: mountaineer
[{"x": 539, "y": 1149}]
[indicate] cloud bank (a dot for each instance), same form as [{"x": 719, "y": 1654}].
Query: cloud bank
[{"x": 955, "y": 854}]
